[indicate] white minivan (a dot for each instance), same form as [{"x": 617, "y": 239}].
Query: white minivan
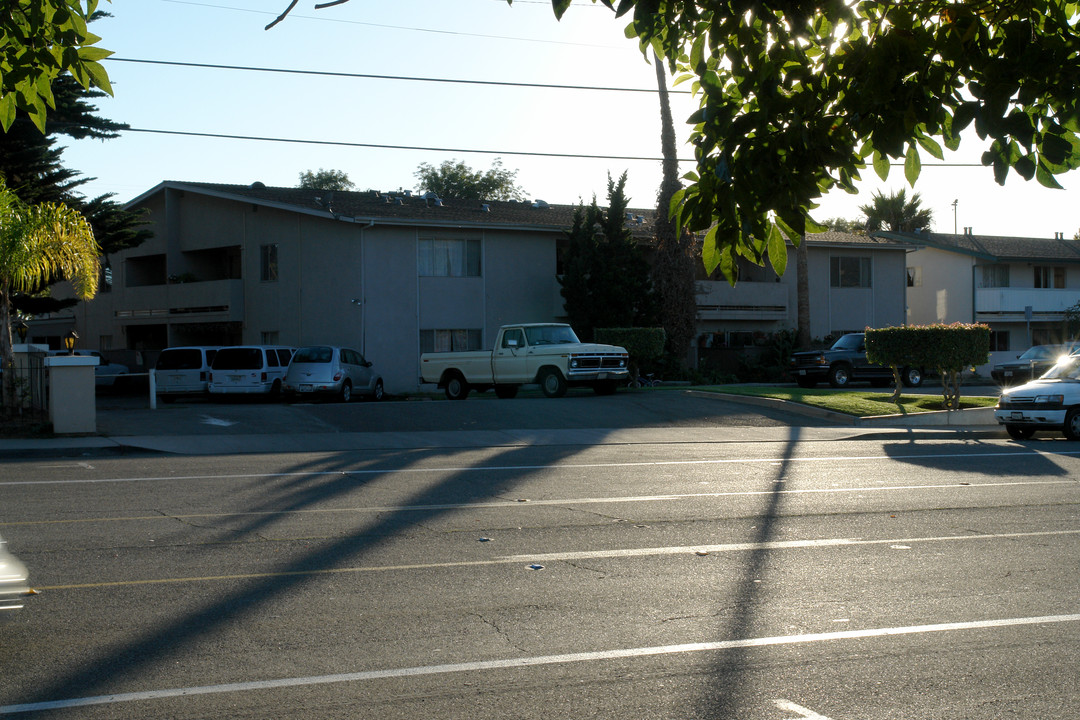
[
  {"x": 249, "y": 369},
  {"x": 183, "y": 371}
]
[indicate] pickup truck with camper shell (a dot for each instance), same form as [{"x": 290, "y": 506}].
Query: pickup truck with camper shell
[
  {"x": 547, "y": 354},
  {"x": 1051, "y": 402}
]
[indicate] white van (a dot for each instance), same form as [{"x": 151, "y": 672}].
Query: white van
[
  {"x": 249, "y": 369},
  {"x": 183, "y": 371}
]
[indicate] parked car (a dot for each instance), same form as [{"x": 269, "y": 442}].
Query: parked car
[
  {"x": 1030, "y": 364},
  {"x": 13, "y": 580},
  {"x": 183, "y": 371},
  {"x": 844, "y": 363},
  {"x": 1051, "y": 402},
  {"x": 105, "y": 373},
  {"x": 328, "y": 370},
  {"x": 249, "y": 369}
]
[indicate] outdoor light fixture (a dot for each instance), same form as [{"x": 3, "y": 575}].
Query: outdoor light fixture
[
  {"x": 69, "y": 341},
  {"x": 21, "y": 329}
]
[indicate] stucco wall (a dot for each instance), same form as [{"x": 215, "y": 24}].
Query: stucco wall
[{"x": 945, "y": 294}]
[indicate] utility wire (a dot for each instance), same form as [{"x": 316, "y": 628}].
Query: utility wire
[
  {"x": 391, "y": 77},
  {"x": 522, "y": 153}
]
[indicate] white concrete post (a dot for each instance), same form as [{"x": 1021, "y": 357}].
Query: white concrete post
[{"x": 72, "y": 404}]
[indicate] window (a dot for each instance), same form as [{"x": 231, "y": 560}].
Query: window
[
  {"x": 995, "y": 276},
  {"x": 450, "y": 340},
  {"x": 914, "y": 277},
  {"x": 516, "y": 336},
  {"x": 999, "y": 340},
  {"x": 1049, "y": 277},
  {"x": 850, "y": 272},
  {"x": 448, "y": 257},
  {"x": 268, "y": 262}
]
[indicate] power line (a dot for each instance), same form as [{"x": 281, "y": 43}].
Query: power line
[
  {"x": 522, "y": 153},
  {"x": 368, "y": 76},
  {"x": 341, "y": 143}
]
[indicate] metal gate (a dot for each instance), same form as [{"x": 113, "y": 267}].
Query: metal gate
[{"x": 31, "y": 386}]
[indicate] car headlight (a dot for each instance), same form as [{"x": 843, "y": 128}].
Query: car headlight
[
  {"x": 573, "y": 362},
  {"x": 622, "y": 363},
  {"x": 1050, "y": 399}
]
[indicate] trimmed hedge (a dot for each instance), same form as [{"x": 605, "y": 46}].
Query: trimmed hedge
[
  {"x": 643, "y": 344},
  {"x": 949, "y": 349}
]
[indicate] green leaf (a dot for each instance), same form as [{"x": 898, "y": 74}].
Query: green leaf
[
  {"x": 881, "y": 165},
  {"x": 1046, "y": 179},
  {"x": 99, "y": 77},
  {"x": 7, "y": 111},
  {"x": 931, "y": 146},
  {"x": 912, "y": 165},
  {"x": 710, "y": 254},
  {"x": 560, "y": 6},
  {"x": 777, "y": 249}
]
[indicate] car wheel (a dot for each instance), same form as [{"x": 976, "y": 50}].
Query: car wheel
[
  {"x": 378, "y": 392},
  {"x": 1016, "y": 432},
  {"x": 840, "y": 375},
  {"x": 1072, "y": 424},
  {"x": 456, "y": 388},
  {"x": 506, "y": 392},
  {"x": 911, "y": 377},
  {"x": 805, "y": 382},
  {"x": 346, "y": 391},
  {"x": 553, "y": 384}
]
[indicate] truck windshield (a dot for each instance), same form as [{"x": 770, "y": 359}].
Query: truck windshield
[
  {"x": 848, "y": 342},
  {"x": 550, "y": 335}
]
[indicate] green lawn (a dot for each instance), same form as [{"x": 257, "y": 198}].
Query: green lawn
[{"x": 853, "y": 402}]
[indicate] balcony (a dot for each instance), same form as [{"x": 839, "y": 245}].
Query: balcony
[
  {"x": 717, "y": 300},
  {"x": 212, "y": 300},
  {"x": 1010, "y": 304}
]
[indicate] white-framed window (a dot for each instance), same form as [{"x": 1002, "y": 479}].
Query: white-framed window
[
  {"x": 451, "y": 340},
  {"x": 448, "y": 257},
  {"x": 994, "y": 276},
  {"x": 268, "y": 262},
  {"x": 914, "y": 277},
  {"x": 849, "y": 272},
  {"x": 1049, "y": 276}
]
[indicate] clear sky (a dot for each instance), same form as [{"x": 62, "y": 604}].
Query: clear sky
[{"x": 474, "y": 40}]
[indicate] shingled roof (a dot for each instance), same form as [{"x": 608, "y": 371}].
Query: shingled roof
[
  {"x": 404, "y": 207},
  {"x": 996, "y": 248}
]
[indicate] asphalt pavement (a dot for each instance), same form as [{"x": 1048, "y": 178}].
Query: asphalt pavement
[{"x": 126, "y": 423}]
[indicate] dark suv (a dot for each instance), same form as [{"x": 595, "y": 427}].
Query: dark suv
[{"x": 844, "y": 362}]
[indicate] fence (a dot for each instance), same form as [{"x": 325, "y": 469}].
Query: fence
[{"x": 31, "y": 387}]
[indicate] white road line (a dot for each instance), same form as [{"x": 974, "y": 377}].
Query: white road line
[
  {"x": 535, "y": 661},
  {"x": 701, "y": 550},
  {"x": 533, "y": 468},
  {"x": 567, "y": 502},
  {"x": 808, "y": 714}
]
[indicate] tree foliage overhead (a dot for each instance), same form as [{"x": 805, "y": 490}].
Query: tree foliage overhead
[
  {"x": 798, "y": 97},
  {"x": 331, "y": 180},
  {"x": 455, "y": 179},
  {"x": 39, "y": 40},
  {"x": 897, "y": 213}
]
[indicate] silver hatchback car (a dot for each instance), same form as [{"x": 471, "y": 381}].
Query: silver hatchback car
[
  {"x": 13, "y": 587},
  {"x": 335, "y": 371}
]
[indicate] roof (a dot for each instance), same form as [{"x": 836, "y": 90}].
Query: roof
[
  {"x": 995, "y": 248},
  {"x": 402, "y": 207}
]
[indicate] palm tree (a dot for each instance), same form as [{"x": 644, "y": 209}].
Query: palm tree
[
  {"x": 896, "y": 213},
  {"x": 39, "y": 243}
]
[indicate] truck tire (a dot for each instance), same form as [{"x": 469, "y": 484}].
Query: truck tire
[
  {"x": 456, "y": 387},
  {"x": 840, "y": 375},
  {"x": 506, "y": 392},
  {"x": 911, "y": 377},
  {"x": 552, "y": 383}
]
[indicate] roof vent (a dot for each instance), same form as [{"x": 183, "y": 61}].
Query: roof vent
[
  {"x": 539, "y": 205},
  {"x": 387, "y": 199},
  {"x": 640, "y": 219},
  {"x": 257, "y": 185},
  {"x": 407, "y": 193},
  {"x": 629, "y": 216},
  {"x": 485, "y": 208},
  {"x": 399, "y": 201},
  {"x": 431, "y": 195},
  {"x": 438, "y": 202}
]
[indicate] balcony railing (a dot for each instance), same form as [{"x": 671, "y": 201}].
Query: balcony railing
[
  {"x": 746, "y": 301},
  {"x": 1012, "y": 303},
  {"x": 222, "y": 299}
]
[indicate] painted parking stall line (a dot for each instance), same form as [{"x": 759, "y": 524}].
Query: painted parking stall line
[{"x": 537, "y": 661}]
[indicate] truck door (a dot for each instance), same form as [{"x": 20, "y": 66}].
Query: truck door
[{"x": 509, "y": 360}]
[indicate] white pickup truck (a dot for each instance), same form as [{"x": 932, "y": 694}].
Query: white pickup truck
[
  {"x": 1051, "y": 402},
  {"x": 547, "y": 354}
]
